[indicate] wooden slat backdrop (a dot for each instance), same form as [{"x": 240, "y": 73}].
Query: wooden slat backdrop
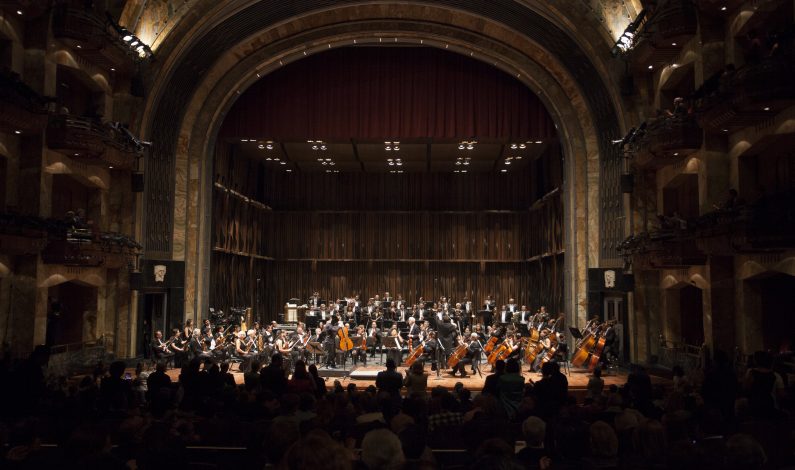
[{"x": 413, "y": 234}]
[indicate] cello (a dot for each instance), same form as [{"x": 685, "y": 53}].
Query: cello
[
  {"x": 457, "y": 355},
  {"x": 346, "y": 343},
  {"x": 490, "y": 344},
  {"x": 416, "y": 353},
  {"x": 500, "y": 353}
]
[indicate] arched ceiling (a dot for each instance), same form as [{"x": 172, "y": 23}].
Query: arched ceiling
[{"x": 570, "y": 39}]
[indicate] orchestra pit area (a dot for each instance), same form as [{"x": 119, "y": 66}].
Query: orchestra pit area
[{"x": 387, "y": 235}]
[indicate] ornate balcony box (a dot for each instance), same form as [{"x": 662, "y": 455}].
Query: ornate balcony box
[
  {"x": 77, "y": 137},
  {"x": 665, "y": 33},
  {"x": 92, "y": 37},
  {"x": 665, "y": 249},
  {"x": 668, "y": 141},
  {"x": 750, "y": 95},
  {"x": 22, "y": 110},
  {"x": 766, "y": 226},
  {"x": 91, "y": 254}
]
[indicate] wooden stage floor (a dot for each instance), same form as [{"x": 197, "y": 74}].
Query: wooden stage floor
[{"x": 578, "y": 378}]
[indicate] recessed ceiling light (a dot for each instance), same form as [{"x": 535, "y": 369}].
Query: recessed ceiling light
[
  {"x": 504, "y": 170},
  {"x": 110, "y": 168},
  {"x": 275, "y": 159},
  {"x": 723, "y": 8},
  {"x": 767, "y": 108},
  {"x": 518, "y": 157},
  {"x": 282, "y": 163},
  {"x": 651, "y": 67},
  {"x": 79, "y": 46},
  {"x": 725, "y": 130},
  {"x": 676, "y": 154},
  {"x": 289, "y": 170},
  {"x": 268, "y": 159},
  {"x": 673, "y": 44},
  {"x": 19, "y": 12},
  {"x": 244, "y": 140},
  {"x": 539, "y": 142},
  {"x": 17, "y": 132},
  {"x": 507, "y": 162},
  {"x": 77, "y": 155}
]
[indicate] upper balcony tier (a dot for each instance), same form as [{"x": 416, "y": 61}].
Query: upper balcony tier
[
  {"x": 749, "y": 95},
  {"x": 93, "y": 141},
  {"x": 666, "y": 141},
  {"x": 22, "y": 110}
]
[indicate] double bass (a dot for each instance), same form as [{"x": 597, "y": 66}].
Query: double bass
[{"x": 590, "y": 350}]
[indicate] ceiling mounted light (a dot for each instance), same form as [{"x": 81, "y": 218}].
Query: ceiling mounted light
[
  {"x": 651, "y": 67},
  {"x": 539, "y": 141},
  {"x": 467, "y": 144},
  {"x": 673, "y": 44},
  {"x": 504, "y": 170},
  {"x": 289, "y": 170},
  {"x": 514, "y": 146},
  {"x": 19, "y": 12},
  {"x": 17, "y": 132},
  {"x": 723, "y": 8},
  {"x": 766, "y": 108}
]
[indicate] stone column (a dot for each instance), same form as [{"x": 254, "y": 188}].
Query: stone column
[{"x": 719, "y": 304}]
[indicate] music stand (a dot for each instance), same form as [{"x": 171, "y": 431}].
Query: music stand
[
  {"x": 357, "y": 343},
  {"x": 388, "y": 342}
]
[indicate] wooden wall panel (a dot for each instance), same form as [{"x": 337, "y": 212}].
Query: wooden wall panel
[{"x": 414, "y": 234}]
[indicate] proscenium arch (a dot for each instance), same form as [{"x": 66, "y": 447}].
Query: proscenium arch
[{"x": 586, "y": 118}]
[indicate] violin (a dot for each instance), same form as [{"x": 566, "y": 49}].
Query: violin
[{"x": 346, "y": 344}]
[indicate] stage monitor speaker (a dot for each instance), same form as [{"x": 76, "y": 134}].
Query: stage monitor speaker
[
  {"x": 136, "y": 280},
  {"x": 137, "y": 182},
  {"x": 627, "y": 183}
]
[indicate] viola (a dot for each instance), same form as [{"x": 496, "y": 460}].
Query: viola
[{"x": 346, "y": 344}]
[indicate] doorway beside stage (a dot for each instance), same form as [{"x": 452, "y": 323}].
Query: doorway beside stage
[
  {"x": 684, "y": 312},
  {"x": 154, "y": 317}
]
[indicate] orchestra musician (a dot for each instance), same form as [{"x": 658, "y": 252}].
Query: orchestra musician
[
  {"x": 373, "y": 337},
  {"x": 430, "y": 346},
  {"x": 330, "y": 343},
  {"x": 473, "y": 352},
  {"x": 300, "y": 339},
  {"x": 314, "y": 301},
  {"x": 546, "y": 344},
  {"x": 512, "y": 307},
  {"x": 489, "y": 304},
  {"x": 243, "y": 350},
  {"x": 505, "y": 315},
  {"x": 413, "y": 332},
  {"x": 447, "y": 336},
  {"x": 523, "y": 316},
  {"x": 284, "y": 348},
  {"x": 359, "y": 352},
  {"x": 178, "y": 347},
  {"x": 160, "y": 348},
  {"x": 395, "y": 353}
]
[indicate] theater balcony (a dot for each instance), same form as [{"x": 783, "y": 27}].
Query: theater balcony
[
  {"x": 660, "y": 39},
  {"x": 749, "y": 95},
  {"x": 22, "y": 110},
  {"x": 21, "y": 235},
  {"x": 92, "y": 141},
  {"x": 666, "y": 141},
  {"x": 82, "y": 247},
  {"x": 92, "y": 37},
  {"x": 767, "y": 225},
  {"x": 662, "y": 249}
]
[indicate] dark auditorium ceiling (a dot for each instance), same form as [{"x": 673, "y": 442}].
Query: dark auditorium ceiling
[{"x": 416, "y": 155}]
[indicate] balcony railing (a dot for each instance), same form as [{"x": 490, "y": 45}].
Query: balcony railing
[
  {"x": 663, "y": 35},
  {"x": 765, "y": 226},
  {"x": 76, "y": 136},
  {"x": 662, "y": 249},
  {"x": 108, "y": 250},
  {"x": 667, "y": 141},
  {"x": 92, "y": 37},
  {"x": 21, "y": 109},
  {"x": 750, "y": 94}
]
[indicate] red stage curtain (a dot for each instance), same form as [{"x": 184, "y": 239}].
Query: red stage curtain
[{"x": 388, "y": 92}]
